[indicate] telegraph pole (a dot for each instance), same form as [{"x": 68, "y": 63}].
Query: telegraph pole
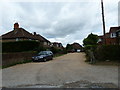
[{"x": 103, "y": 19}]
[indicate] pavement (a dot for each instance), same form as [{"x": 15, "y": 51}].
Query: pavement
[{"x": 67, "y": 71}]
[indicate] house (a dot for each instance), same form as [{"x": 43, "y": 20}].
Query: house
[
  {"x": 17, "y": 34},
  {"x": 118, "y": 36},
  {"x": 57, "y": 45},
  {"x": 44, "y": 41},
  {"x": 112, "y": 37},
  {"x": 20, "y": 34},
  {"x": 76, "y": 46}
]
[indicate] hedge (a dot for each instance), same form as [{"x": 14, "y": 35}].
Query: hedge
[
  {"x": 19, "y": 46},
  {"x": 104, "y": 52},
  {"x": 107, "y": 52}
]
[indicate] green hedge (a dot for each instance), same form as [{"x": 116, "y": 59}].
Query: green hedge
[
  {"x": 107, "y": 52},
  {"x": 19, "y": 46},
  {"x": 104, "y": 52}
]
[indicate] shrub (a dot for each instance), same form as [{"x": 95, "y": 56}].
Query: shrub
[
  {"x": 41, "y": 48},
  {"x": 19, "y": 46},
  {"x": 108, "y": 52},
  {"x": 103, "y": 52},
  {"x": 90, "y": 47},
  {"x": 55, "y": 50}
]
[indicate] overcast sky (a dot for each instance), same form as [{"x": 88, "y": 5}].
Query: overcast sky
[{"x": 64, "y": 22}]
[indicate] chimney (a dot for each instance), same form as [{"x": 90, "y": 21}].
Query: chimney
[
  {"x": 16, "y": 26},
  {"x": 34, "y": 33}
]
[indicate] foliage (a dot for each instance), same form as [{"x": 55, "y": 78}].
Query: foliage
[
  {"x": 69, "y": 48},
  {"x": 19, "y": 46},
  {"x": 21, "y": 62},
  {"x": 41, "y": 48},
  {"x": 103, "y": 52},
  {"x": 108, "y": 52},
  {"x": 55, "y": 50},
  {"x": 90, "y": 40}
]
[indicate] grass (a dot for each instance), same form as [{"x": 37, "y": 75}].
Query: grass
[
  {"x": 26, "y": 61},
  {"x": 57, "y": 55},
  {"x": 22, "y": 62}
]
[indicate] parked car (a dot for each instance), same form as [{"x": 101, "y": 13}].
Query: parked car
[{"x": 43, "y": 56}]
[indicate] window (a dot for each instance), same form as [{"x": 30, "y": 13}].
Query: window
[
  {"x": 113, "y": 35},
  {"x": 119, "y": 34},
  {"x": 57, "y": 45},
  {"x": 99, "y": 40},
  {"x": 45, "y": 43},
  {"x": 48, "y": 43},
  {"x": 17, "y": 39}
]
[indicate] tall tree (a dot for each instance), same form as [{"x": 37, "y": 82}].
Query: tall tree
[{"x": 90, "y": 40}]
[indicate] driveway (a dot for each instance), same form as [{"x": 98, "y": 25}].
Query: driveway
[{"x": 68, "y": 70}]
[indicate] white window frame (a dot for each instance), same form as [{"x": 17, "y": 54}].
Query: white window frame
[{"x": 17, "y": 39}]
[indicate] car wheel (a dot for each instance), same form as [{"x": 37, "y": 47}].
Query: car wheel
[{"x": 45, "y": 60}]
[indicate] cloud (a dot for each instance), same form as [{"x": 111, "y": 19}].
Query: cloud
[{"x": 66, "y": 22}]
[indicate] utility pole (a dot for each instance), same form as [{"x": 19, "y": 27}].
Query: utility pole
[{"x": 103, "y": 19}]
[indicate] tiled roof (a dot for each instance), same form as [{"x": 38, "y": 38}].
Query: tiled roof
[
  {"x": 114, "y": 29},
  {"x": 17, "y": 33},
  {"x": 40, "y": 38},
  {"x": 22, "y": 33},
  {"x": 76, "y": 45}
]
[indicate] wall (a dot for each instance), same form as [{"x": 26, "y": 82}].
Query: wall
[{"x": 12, "y": 58}]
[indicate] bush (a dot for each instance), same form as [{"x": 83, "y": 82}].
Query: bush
[
  {"x": 108, "y": 52},
  {"x": 41, "y": 48},
  {"x": 90, "y": 47},
  {"x": 103, "y": 52},
  {"x": 19, "y": 46},
  {"x": 55, "y": 50}
]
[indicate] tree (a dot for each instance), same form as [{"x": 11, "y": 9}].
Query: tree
[
  {"x": 90, "y": 40},
  {"x": 69, "y": 47}
]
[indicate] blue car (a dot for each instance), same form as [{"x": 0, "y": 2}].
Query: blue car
[{"x": 43, "y": 56}]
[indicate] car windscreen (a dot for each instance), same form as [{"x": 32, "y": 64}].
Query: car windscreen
[{"x": 42, "y": 53}]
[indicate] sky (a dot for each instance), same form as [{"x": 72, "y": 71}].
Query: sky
[{"x": 63, "y": 21}]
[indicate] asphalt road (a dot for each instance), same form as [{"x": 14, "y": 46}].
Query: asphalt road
[{"x": 68, "y": 70}]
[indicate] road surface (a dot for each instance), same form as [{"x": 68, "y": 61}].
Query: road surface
[{"x": 69, "y": 70}]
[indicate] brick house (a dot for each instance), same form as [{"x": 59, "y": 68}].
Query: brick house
[
  {"x": 76, "y": 46},
  {"x": 57, "y": 45},
  {"x": 112, "y": 37},
  {"x": 118, "y": 36},
  {"x": 20, "y": 34},
  {"x": 43, "y": 40}
]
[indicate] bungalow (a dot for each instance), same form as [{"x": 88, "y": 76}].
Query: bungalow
[
  {"x": 112, "y": 37},
  {"x": 20, "y": 34}
]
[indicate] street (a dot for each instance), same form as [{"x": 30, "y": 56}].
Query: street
[{"x": 69, "y": 70}]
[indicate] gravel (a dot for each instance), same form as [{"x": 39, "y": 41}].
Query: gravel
[{"x": 69, "y": 70}]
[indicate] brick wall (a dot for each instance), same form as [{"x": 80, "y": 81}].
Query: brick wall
[{"x": 12, "y": 58}]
